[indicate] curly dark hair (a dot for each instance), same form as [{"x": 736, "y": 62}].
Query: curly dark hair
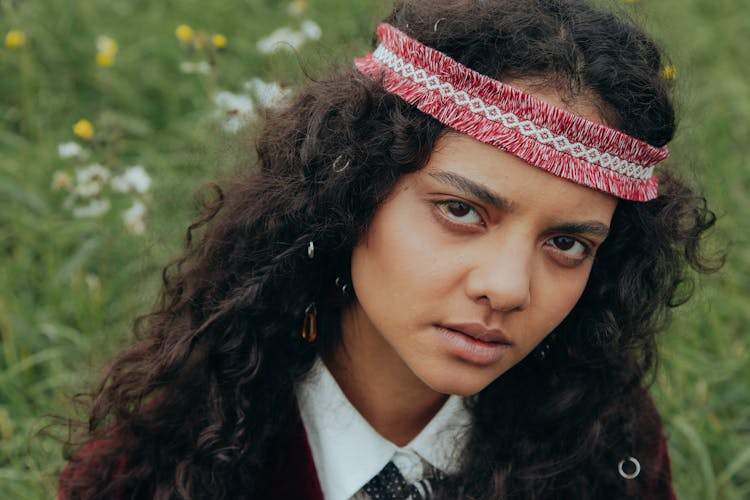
[{"x": 193, "y": 409}]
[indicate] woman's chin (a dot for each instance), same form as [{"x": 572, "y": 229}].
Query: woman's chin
[{"x": 465, "y": 382}]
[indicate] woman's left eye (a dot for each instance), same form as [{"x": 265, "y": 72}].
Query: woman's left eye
[
  {"x": 459, "y": 212},
  {"x": 570, "y": 247}
]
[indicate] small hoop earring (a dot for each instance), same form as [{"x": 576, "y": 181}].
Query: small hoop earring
[
  {"x": 542, "y": 351},
  {"x": 311, "y": 250},
  {"x": 310, "y": 323},
  {"x": 336, "y": 167},
  {"x": 435, "y": 26},
  {"x": 344, "y": 287},
  {"x": 636, "y": 466}
]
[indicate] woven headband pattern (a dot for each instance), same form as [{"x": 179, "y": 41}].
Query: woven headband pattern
[{"x": 558, "y": 141}]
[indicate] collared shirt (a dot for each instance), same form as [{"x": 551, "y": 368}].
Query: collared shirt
[{"x": 348, "y": 452}]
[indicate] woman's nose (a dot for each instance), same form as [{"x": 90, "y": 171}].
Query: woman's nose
[{"x": 502, "y": 277}]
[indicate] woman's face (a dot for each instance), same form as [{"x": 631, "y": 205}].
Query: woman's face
[{"x": 469, "y": 264}]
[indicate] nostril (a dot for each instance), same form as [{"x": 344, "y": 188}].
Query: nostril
[{"x": 505, "y": 300}]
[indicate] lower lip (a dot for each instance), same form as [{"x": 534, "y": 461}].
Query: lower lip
[{"x": 469, "y": 349}]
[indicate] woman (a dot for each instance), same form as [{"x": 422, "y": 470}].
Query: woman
[{"x": 444, "y": 279}]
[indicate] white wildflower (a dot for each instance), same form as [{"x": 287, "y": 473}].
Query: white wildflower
[
  {"x": 61, "y": 180},
  {"x": 70, "y": 150},
  {"x": 93, "y": 172},
  {"x": 311, "y": 30},
  {"x": 95, "y": 208},
  {"x": 267, "y": 94},
  {"x": 133, "y": 179},
  {"x": 135, "y": 218},
  {"x": 106, "y": 44},
  {"x": 195, "y": 68},
  {"x": 235, "y": 110},
  {"x": 90, "y": 180},
  {"x": 284, "y": 38},
  {"x": 287, "y": 38}
]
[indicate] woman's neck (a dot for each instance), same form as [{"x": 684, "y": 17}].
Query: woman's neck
[{"x": 393, "y": 400}]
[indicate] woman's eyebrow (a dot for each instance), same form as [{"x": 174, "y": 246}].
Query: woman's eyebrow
[
  {"x": 591, "y": 228},
  {"x": 472, "y": 188}
]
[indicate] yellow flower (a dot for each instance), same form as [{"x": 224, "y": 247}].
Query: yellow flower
[
  {"x": 219, "y": 40},
  {"x": 669, "y": 72},
  {"x": 105, "y": 59},
  {"x": 15, "y": 39},
  {"x": 106, "y": 50},
  {"x": 184, "y": 33},
  {"x": 83, "y": 129}
]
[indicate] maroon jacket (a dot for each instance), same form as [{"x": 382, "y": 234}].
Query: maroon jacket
[{"x": 289, "y": 474}]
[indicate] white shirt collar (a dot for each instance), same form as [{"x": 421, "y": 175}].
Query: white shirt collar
[{"x": 348, "y": 452}]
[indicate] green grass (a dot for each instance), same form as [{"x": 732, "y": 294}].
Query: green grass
[{"x": 70, "y": 288}]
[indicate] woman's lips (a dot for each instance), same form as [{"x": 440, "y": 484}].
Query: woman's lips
[{"x": 470, "y": 348}]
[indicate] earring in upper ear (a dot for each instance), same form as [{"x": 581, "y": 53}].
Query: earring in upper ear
[
  {"x": 337, "y": 168},
  {"x": 311, "y": 250},
  {"x": 341, "y": 285},
  {"x": 310, "y": 323}
]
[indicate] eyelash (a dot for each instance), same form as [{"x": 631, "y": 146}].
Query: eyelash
[
  {"x": 587, "y": 251},
  {"x": 443, "y": 208}
]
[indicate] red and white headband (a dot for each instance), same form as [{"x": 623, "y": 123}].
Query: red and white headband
[{"x": 558, "y": 141}]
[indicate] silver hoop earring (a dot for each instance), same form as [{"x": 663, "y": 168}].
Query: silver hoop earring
[
  {"x": 435, "y": 26},
  {"x": 337, "y": 168},
  {"x": 344, "y": 287},
  {"x": 636, "y": 468}
]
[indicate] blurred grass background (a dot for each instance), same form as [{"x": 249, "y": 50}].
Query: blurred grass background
[{"x": 70, "y": 286}]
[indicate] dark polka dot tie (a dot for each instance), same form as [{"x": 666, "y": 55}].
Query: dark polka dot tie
[{"x": 389, "y": 484}]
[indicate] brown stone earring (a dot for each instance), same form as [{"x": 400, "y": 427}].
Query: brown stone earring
[{"x": 310, "y": 323}]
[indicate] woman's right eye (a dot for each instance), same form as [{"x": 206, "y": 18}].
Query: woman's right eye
[{"x": 459, "y": 212}]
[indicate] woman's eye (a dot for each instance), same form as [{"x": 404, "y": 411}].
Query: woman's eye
[
  {"x": 570, "y": 247},
  {"x": 458, "y": 211}
]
